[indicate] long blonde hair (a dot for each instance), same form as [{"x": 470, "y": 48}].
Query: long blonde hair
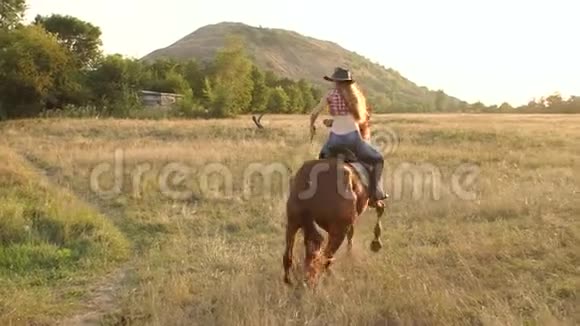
[
  {"x": 357, "y": 105},
  {"x": 355, "y": 100}
]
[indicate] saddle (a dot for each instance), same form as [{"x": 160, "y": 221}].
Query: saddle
[{"x": 362, "y": 169}]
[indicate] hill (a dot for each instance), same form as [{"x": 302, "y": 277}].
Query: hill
[{"x": 290, "y": 54}]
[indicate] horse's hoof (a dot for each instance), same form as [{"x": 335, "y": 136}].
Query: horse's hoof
[
  {"x": 376, "y": 245},
  {"x": 309, "y": 284}
]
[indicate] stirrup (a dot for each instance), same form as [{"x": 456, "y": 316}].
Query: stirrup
[{"x": 378, "y": 202}]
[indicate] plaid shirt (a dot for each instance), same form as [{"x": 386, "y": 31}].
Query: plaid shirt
[{"x": 336, "y": 104}]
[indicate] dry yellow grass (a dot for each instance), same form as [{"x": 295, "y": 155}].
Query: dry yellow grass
[{"x": 510, "y": 256}]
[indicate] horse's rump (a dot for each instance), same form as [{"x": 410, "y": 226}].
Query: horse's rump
[{"x": 326, "y": 187}]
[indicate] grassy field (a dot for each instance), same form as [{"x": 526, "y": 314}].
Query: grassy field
[{"x": 122, "y": 222}]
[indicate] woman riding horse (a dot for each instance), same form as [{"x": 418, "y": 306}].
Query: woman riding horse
[
  {"x": 314, "y": 202},
  {"x": 347, "y": 105}
]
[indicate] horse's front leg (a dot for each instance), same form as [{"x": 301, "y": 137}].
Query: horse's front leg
[
  {"x": 349, "y": 236},
  {"x": 376, "y": 244}
]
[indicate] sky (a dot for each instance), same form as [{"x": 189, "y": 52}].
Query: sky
[{"x": 490, "y": 51}]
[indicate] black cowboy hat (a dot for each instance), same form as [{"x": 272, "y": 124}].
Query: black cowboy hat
[{"x": 340, "y": 74}]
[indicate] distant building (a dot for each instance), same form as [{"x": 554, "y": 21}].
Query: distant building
[{"x": 152, "y": 99}]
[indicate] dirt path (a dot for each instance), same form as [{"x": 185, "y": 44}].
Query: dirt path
[
  {"x": 102, "y": 300},
  {"x": 102, "y": 297}
]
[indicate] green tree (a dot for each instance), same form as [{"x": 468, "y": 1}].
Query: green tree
[
  {"x": 278, "y": 101},
  {"x": 505, "y": 107},
  {"x": 30, "y": 63},
  {"x": 554, "y": 101},
  {"x": 271, "y": 79},
  {"x": 160, "y": 68},
  {"x": 172, "y": 82},
  {"x": 208, "y": 96},
  {"x": 70, "y": 88},
  {"x": 477, "y": 107},
  {"x": 194, "y": 75},
  {"x": 295, "y": 99},
  {"x": 11, "y": 13},
  {"x": 81, "y": 38},
  {"x": 316, "y": 93},
  {"x": 83, "y": 41},
  {"x": 572, "y": 105},
  {"x": 260, "y": 91},
  {"x": 231, "y": 80},
  {"x": 115, "y": 83},
  {"x": 221, "y": 106},
  {"x": 382, "y": 103},
  {"x": 307, "y": 96},
  {"x": 285, "y": 82}
]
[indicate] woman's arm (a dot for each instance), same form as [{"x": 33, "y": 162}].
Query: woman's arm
[
  {"x": 316, "y": 111},
  {"x": 314, "y": 115}
]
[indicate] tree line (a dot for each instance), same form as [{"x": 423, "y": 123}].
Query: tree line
[
  {"x": 56, "y": 62},
  {"x": 554, "y": 103}
]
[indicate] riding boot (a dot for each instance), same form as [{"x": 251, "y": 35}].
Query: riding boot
[{"x": 377, "y": 193}]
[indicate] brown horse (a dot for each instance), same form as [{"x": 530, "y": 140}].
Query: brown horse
[{"x": 328, "y": 193}]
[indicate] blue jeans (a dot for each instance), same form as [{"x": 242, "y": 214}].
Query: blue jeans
[
  {"x": 364, "y": 152},
  {"x": 354, "y": 142}
]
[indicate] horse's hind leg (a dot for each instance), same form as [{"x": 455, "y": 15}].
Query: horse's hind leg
[
  {"x": 336, "y": 237},
  {"x": 312, "y": 243},
  {"x": 291, "y": 230}
]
